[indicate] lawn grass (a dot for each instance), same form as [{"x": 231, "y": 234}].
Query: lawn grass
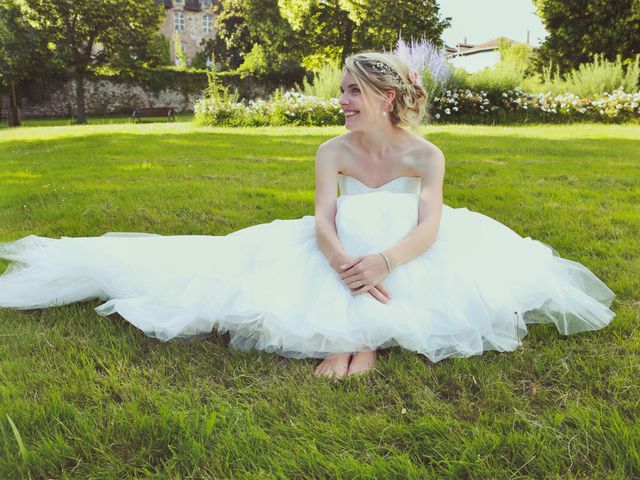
[
  {"x": 117, "y": 118},
  {"x": 82, "y": 396}
]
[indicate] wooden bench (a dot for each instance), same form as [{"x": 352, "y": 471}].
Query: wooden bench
[{"x": 154, "y": 112}]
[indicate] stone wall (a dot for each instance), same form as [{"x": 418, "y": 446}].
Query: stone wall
[{"x": 101, "y": 97}]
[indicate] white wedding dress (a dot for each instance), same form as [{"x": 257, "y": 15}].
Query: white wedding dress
[{"x": 272, "y": 289}]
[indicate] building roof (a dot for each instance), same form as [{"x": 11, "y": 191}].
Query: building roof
[{"x": 463, "y": 49}]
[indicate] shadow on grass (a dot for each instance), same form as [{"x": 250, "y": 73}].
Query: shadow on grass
[
  {"x": 93, "y": 120},
  {"x": 292, "y": 144}
]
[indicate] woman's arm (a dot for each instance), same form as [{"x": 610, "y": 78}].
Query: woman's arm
[
  {"x": 325, "y": 217},
  {"x": 326, "y": 169},
  {"x": 431, "y": 166},
  {"x": 370, "y": 270}
]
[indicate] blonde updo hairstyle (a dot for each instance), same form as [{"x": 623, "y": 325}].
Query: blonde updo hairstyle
[{"x": 376, "y": 73}]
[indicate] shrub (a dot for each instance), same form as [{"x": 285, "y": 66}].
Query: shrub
[
  {"x": 325, "y": 83},
  {"x": 284, "y": 108},
  {"x": 293, "y": 108},
  {"x": 589, "y": 79},
  {"x": 255, "y": 62},
  {"x": 429, "y": 61},
  {"x": 181, "y": 57},
  {"x": 516, "y": 105}
]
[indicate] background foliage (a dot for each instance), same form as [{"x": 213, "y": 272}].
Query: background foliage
[{"x": 579, "y": 30}]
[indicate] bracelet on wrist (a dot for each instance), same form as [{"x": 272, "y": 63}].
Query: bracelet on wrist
[{"x": 386, "y": 259}]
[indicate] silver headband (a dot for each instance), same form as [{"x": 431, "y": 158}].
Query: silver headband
[{"x": 384, "y": 68}]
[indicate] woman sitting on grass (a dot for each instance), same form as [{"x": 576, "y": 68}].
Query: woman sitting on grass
[{"x": 383, "y": 264}]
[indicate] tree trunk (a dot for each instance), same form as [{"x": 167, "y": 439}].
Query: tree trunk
[
  {"x": 347, "y": 37},
  {"x": 13, "y": 119},
  {"x": 81, "y": 118}
]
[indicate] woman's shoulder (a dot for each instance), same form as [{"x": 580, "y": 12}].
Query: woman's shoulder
[
  {"x": 423, "y": 150},
  {"x": 335, "y": 150},
  {"x": 340, "y": 143},
  {"x": 424, "y": 157}
]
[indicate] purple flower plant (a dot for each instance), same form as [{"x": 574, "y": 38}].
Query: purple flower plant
[{"x": 422, "y": 55}]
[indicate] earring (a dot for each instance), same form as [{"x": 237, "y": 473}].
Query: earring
[{"x": 384, "y": 113}]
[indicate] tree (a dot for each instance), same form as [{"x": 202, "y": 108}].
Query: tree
[
  {"x": 578, "y": 30},
  {"x": 337, "y": 28},
  {"x": 181, "y": 57},
  {"x": 23, "y": 54},
  {"x": 233, "y": 37},
  {"x": 244, "y": 23},
  {"x": 84, "y": 35}
]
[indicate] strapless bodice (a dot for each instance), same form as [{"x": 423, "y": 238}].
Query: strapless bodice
[{"x": 349, "y": 185}]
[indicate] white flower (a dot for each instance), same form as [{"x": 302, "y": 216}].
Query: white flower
[
  {"x": 447, "y": 111},
  {"x": 437, "y": 115}
]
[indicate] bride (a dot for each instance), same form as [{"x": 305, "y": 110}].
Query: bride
[{"x": 383, "y": 264}]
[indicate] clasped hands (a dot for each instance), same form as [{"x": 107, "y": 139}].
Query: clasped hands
[{"x": 364, "y": 274}]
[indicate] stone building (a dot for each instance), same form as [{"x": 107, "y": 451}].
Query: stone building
[{"x": 192, "y": 20}]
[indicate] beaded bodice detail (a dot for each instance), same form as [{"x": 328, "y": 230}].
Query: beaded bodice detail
[{"x": 349, "y": 185}]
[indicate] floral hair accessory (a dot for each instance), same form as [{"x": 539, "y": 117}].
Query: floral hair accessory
[
  {"x": 415, "y": 78},
  {"x": 384, "y": 68}
]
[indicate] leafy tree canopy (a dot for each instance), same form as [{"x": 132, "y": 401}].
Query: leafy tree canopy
[
  {"x": 84, "y": 35},
  {"x": 242, "y": 24},
  {"x": 578, "y": 30},
  {"x": 337, "y": 28},
  {"x": 312, "y": 32},
  {"x": 87, "y": 33},
  {"x": 23, "y": 49}
]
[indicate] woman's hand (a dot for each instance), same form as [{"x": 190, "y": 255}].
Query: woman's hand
[{"x": 365, "y": 274}]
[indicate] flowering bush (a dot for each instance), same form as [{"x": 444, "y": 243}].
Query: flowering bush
[
  {"x": 429, "y": 61},
  {"x": 465, "y": 105},
  {"x": 288, "y": 108},
  {"x": 292, "y": 108}
]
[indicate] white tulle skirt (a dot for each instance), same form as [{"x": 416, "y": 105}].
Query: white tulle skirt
[{"x": 272, "y": 289}]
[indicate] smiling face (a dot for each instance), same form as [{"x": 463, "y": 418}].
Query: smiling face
[
  {"x": 361, "y": 111},
  {"x": 351, "y": 101}
]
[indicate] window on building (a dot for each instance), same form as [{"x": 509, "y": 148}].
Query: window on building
[
  {"x": 207, "y": 3},
  {"x": 178, "y": 20},
  {"x": 207, "y": 23}
]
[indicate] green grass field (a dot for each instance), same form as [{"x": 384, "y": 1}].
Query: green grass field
[{"x": 82, "y": 396}]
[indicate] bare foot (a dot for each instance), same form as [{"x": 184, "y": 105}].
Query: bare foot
[
  {"x": 334, "y": 365},
  {"x": 362, "y": 362}
]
